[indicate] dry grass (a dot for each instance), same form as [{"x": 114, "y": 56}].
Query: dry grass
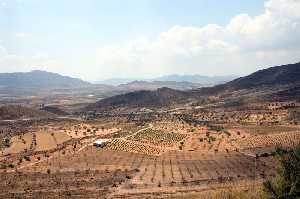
[
  {"x": 61, "y": 137},
  {"x": 20, "y": 143},
  {"x": 45, "y": 141},
  {"x": 245, "y": 190},
  {"x": 286, "y": 140},
  {"x": 268, "y": 129}
]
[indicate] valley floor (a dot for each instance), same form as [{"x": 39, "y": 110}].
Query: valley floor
[{"x": 168, "y": 157}]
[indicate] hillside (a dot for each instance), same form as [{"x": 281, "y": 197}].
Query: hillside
[
  {"x": 39, "y": 79},
  {"x": 158, "y": 98},
  {"x": 278, "y": 75},
  {"x": 274, "y": 77},
  {"x": 54, "y": 110},
  {"x": 15, "y": 112}
]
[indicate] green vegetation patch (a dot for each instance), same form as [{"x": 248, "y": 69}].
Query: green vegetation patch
[{"x": 157, "y": 137}]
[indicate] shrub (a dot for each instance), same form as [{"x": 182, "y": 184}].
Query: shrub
[
  {"x": 27, "y": 158},
  {"x": 227, "y": 133},
  {"x": 3, "y": 166},
  {"x": 287, "y": 183},
  {"x": 11, "y": 166}
]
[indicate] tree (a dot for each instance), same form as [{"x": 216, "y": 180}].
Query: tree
[{"x": 287, "y": 184}]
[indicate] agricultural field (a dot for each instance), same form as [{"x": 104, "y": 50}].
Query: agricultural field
[
  {"x": 287, "y": 140},
  {"x": 191, "y": 168},
  {"x": 168, "y": 156},
  {"x": 20, "y": 144},
  {"x": 214, "y": 141},
  {"x": 175, "y": 169},
  {"x": 79, "y": 184},
  {"x": 157, "y": 138},
  {"x": 85, "y": 130},
  {"x": 135, "y": 147},
  {"x": 45, "y": 141},
  {"x": 266, "y": 129}
]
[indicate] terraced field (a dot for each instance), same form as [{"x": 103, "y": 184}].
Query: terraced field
[
  {"x": 79, "y": 184},
  {"x": 285, "y": 140},
  {"x": 172, "y": 168},
  {"x": 158, "y": 138},
  {"x": 45, "y": 141},
  {"x": 135, "y": 147},
  {"x": 20, "y": 143},
  {"x": 149, "y": 158}
]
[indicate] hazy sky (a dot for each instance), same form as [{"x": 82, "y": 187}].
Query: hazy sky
[{"x": 99, "y": 39}]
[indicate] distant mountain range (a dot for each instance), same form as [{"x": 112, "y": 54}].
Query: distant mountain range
[
  {"x": 41, "y": 82},
  {"x": 278, "y": 80},
  {"x": 197, "y": 79},
  {"x": 145, "y": 85},
  {"x": 39, "y": 79}
]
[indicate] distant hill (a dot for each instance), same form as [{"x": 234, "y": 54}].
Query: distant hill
[
  {"x": 15, "y": 112},
  {"x": 39, "y": 79},
  {"x": 199, "y": 79},
  {"x": 118, "y": 81},
  {"x": 278, "y": 75}
]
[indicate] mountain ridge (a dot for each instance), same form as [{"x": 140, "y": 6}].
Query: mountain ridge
[{"x": 157, "y": 98}]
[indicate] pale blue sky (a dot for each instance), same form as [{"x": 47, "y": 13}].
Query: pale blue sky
[
  {"x": 66, "y": 35},
  {"x": 86, "y": 23}
]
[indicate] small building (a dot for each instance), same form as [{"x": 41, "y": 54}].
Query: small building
[{"x": 99, "y": 143}]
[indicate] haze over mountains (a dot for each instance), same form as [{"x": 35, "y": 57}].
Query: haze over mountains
[
  {"x": 153, "y": 85},
  {"x": 281, "y": 80},
  {"x": 35, "y": 82},
  {"x": 198, "y": 79}
]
